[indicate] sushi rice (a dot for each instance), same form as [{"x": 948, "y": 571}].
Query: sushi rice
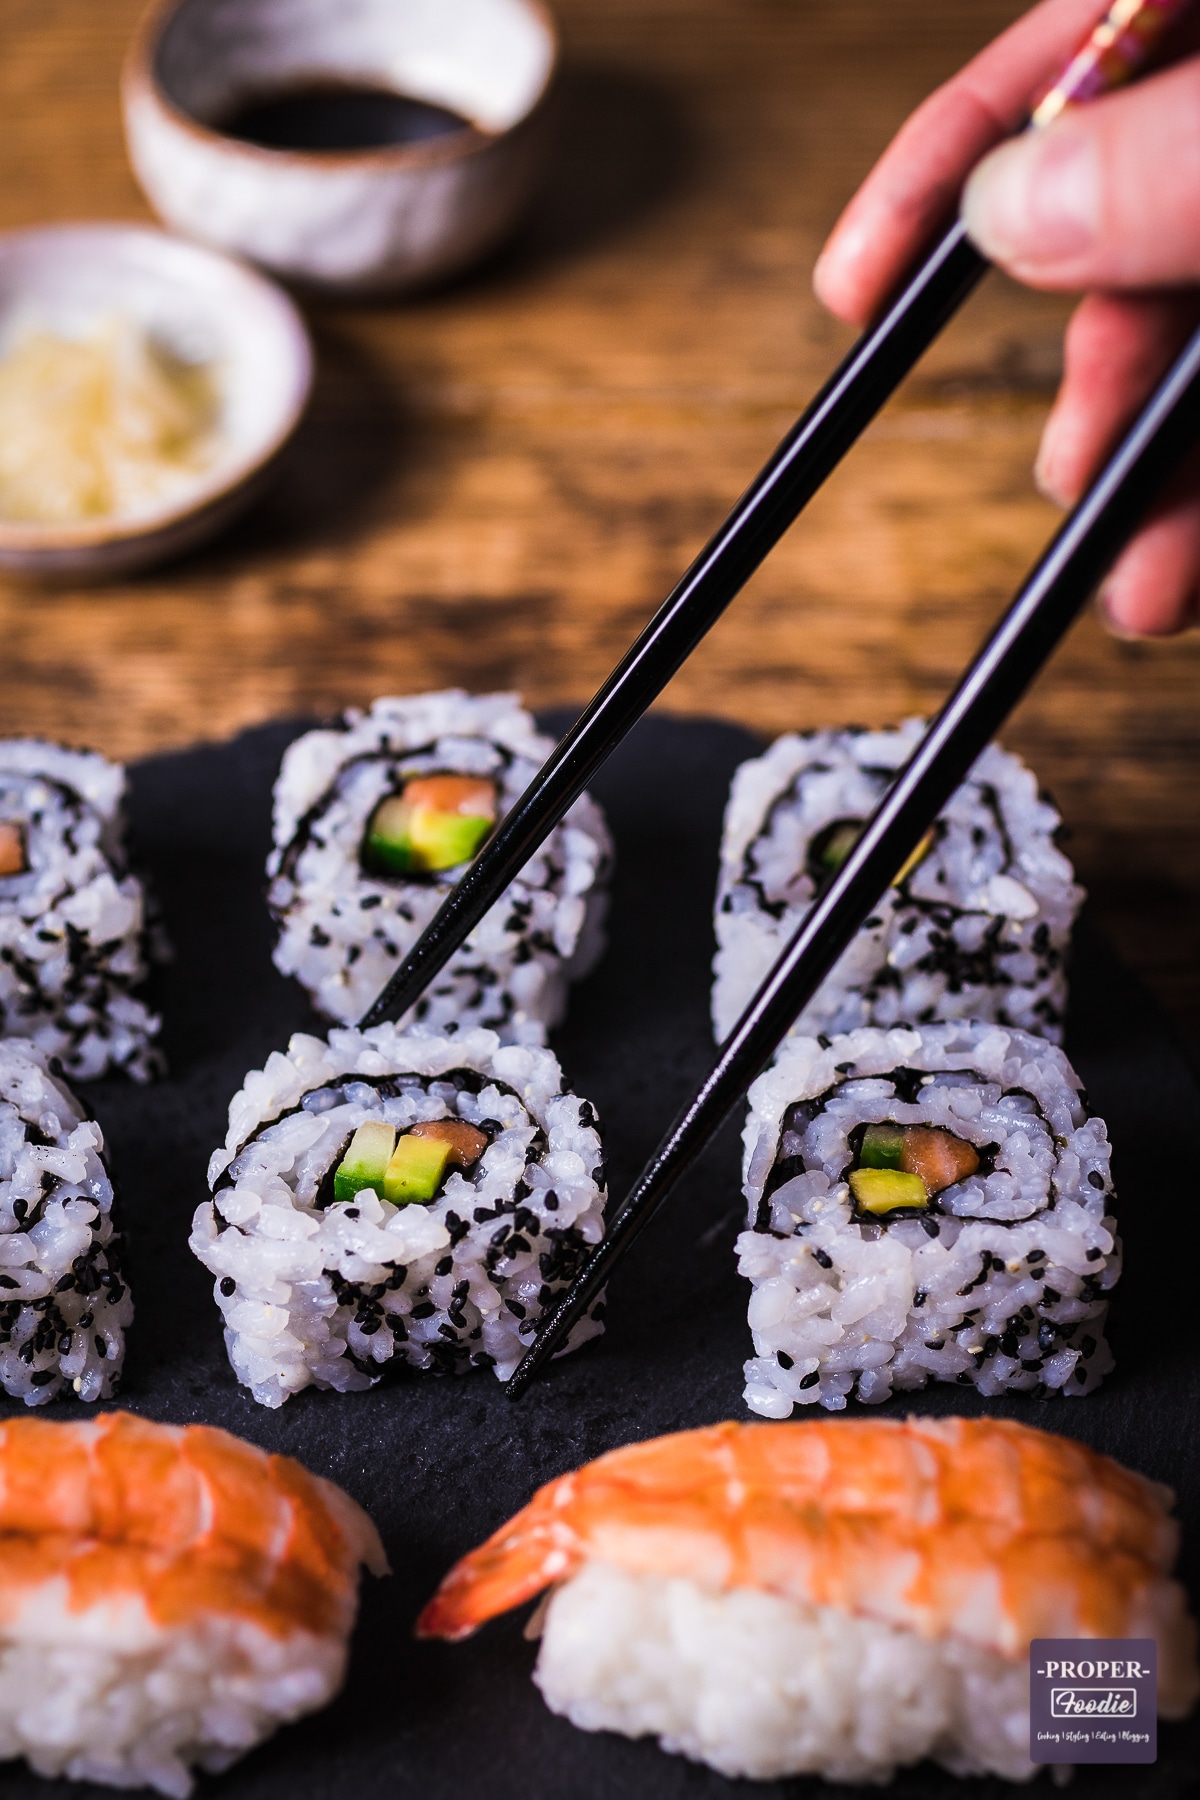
[
  {"x": 343, "y": 929},
  {"x": 1000, "y": 1282},
  {"x": 64, "y": 1302},
  {"x": 317, "y": 1291},
  {"x": 74, "y": 937},
  {"x": 977, "y": 927}
]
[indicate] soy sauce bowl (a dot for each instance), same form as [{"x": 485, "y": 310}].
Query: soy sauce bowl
[{"x": 204, "y": 77}]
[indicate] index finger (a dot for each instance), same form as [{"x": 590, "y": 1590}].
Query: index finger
[{"x": 915, "y": 185}]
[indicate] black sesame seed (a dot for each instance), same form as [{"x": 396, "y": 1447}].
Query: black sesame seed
[
  {"x": 445, "y": 1266},
  {"x": 228, "y": 1285},
  {"x": 931, "y": 1227},
  {"x": 352, "y": 1212},
  {"x": 1050, "y": 1296},
  {"x": 823, "y": 1259},
  {"x": 1080, "y": 1373},
  {"x": 101, "y": 1346},
  {"x": 920, "y": 1297},
  {"x": 784, "y": 1360},
  {"x": 807, "y": 1381},
  {"x": 42, "y": 1377},
  {"x": 62, "y": 1286},
  {"x": 1096, "y": 1179},
  {"x": 1036, "y": 1256},
  {"x": 1094, "y": 1255},
  {"x": 425, "y": 1310}
]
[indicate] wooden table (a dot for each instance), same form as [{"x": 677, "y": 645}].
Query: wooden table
[{"x": 498, "y": 482}]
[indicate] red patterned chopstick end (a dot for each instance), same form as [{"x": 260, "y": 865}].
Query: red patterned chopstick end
[{"x": 1112, "y": 54}]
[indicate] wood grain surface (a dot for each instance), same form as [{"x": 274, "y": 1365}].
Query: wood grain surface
[{"x": 498, "y": 481}]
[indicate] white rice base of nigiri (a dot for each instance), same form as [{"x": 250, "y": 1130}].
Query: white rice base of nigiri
[
  {"x": 759, "y": 1686},
  {"x": 108, "y": 1695}
]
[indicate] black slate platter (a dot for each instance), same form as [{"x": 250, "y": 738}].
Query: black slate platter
[{"x": 439, "y": 1463}]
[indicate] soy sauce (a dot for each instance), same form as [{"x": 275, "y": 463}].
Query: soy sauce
[{"x": 332, "y": 118}]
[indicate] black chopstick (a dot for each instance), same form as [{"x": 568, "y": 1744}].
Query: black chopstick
[
  {"x": 809, "y": 453},
  {"x": 1010, "y": 659}
]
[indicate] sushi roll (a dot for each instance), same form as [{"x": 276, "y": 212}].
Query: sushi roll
[
  {"x": 64, "y": 1303},
  {"x": 375, "y": 822},
  {"x": 168, "y": 1597},
  {"x": 837, "y": 1598},
  {"x": 387, "y": 1199},
  {"x": 924, "y": 1204},
  {"x": 73, "y": 928},
  {"x": 976, "y": 925}
]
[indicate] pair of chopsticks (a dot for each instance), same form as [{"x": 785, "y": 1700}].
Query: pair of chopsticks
[{"x": 1013, "y": 655}]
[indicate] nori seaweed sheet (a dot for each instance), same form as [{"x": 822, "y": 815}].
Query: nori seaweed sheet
[{"x": 440, "y": 1463}]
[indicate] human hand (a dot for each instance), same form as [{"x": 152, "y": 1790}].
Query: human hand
[{"x": 1106, "y": 200}]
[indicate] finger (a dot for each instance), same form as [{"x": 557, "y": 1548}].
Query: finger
[
  {"x": 1108, "y": 196},
  {"x": 917, "y": 181},
  {"x": 1153, "y": 590},
  {"x": 1117, "y": 347}
]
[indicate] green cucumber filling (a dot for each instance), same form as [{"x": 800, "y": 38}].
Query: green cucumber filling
[
  {"x": 436, "y": 822},
  {"x": 409, "y": 1170}
]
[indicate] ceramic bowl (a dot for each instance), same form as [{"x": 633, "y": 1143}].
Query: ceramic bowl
[
  {"x": 206, "y": 308},
  {"x": 350, "y": 221}
]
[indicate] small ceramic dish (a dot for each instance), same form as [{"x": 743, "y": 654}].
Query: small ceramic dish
[
  {"x": 392, "y": 216},
  {"x": 203, "y": 309}
]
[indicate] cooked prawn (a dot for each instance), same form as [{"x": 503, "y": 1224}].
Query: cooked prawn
[
  {"x": 981, "y": 1529},
  {"x": 189, "y": 1519}
]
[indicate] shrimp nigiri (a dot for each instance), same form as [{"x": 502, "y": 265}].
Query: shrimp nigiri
[
  {"x": 834, "y": 1597},
  {"x": 168, "y": 1595}
]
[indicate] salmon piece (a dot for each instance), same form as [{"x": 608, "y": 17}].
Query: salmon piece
[
  {"x": 937, "y": 1156},
  {"x": 978, "y": 1529},
  {"x": 190, "y": 1520},
  {"x": 466, "y": 1144},
  {"x": 12, "y": 848},
  {"x": 471, "y": 795}
]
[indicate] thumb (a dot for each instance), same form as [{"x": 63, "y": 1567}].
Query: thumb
[{"x": 1108, "y": 196}]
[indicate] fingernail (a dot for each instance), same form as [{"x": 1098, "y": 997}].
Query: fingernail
[
  {"x": 1049, "y": 482},
  {"x": 1036, "y": 200},
  {"x": 1107, "y": 605}
]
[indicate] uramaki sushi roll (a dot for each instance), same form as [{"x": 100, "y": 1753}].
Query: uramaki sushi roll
[
  {"x": 929, "y": 1204},
  {"x": 375, "y": 821},
  {"x": 73, "y": 936},
  {"x": 837, "y": 1598},
  {"x": 388, "y": 1198},
  {"x": 168, "y": 1597},
  {"x": 64, "y": 1302},
  {"x": 976, "y": 926}
]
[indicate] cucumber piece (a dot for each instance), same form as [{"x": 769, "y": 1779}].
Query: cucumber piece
[
  {"x": 882, "y": 1147},
  {"x": 414, "y": 1173},
  {"x": 883, "y": 1190},
  {"x": 365, "y": 1162}
]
